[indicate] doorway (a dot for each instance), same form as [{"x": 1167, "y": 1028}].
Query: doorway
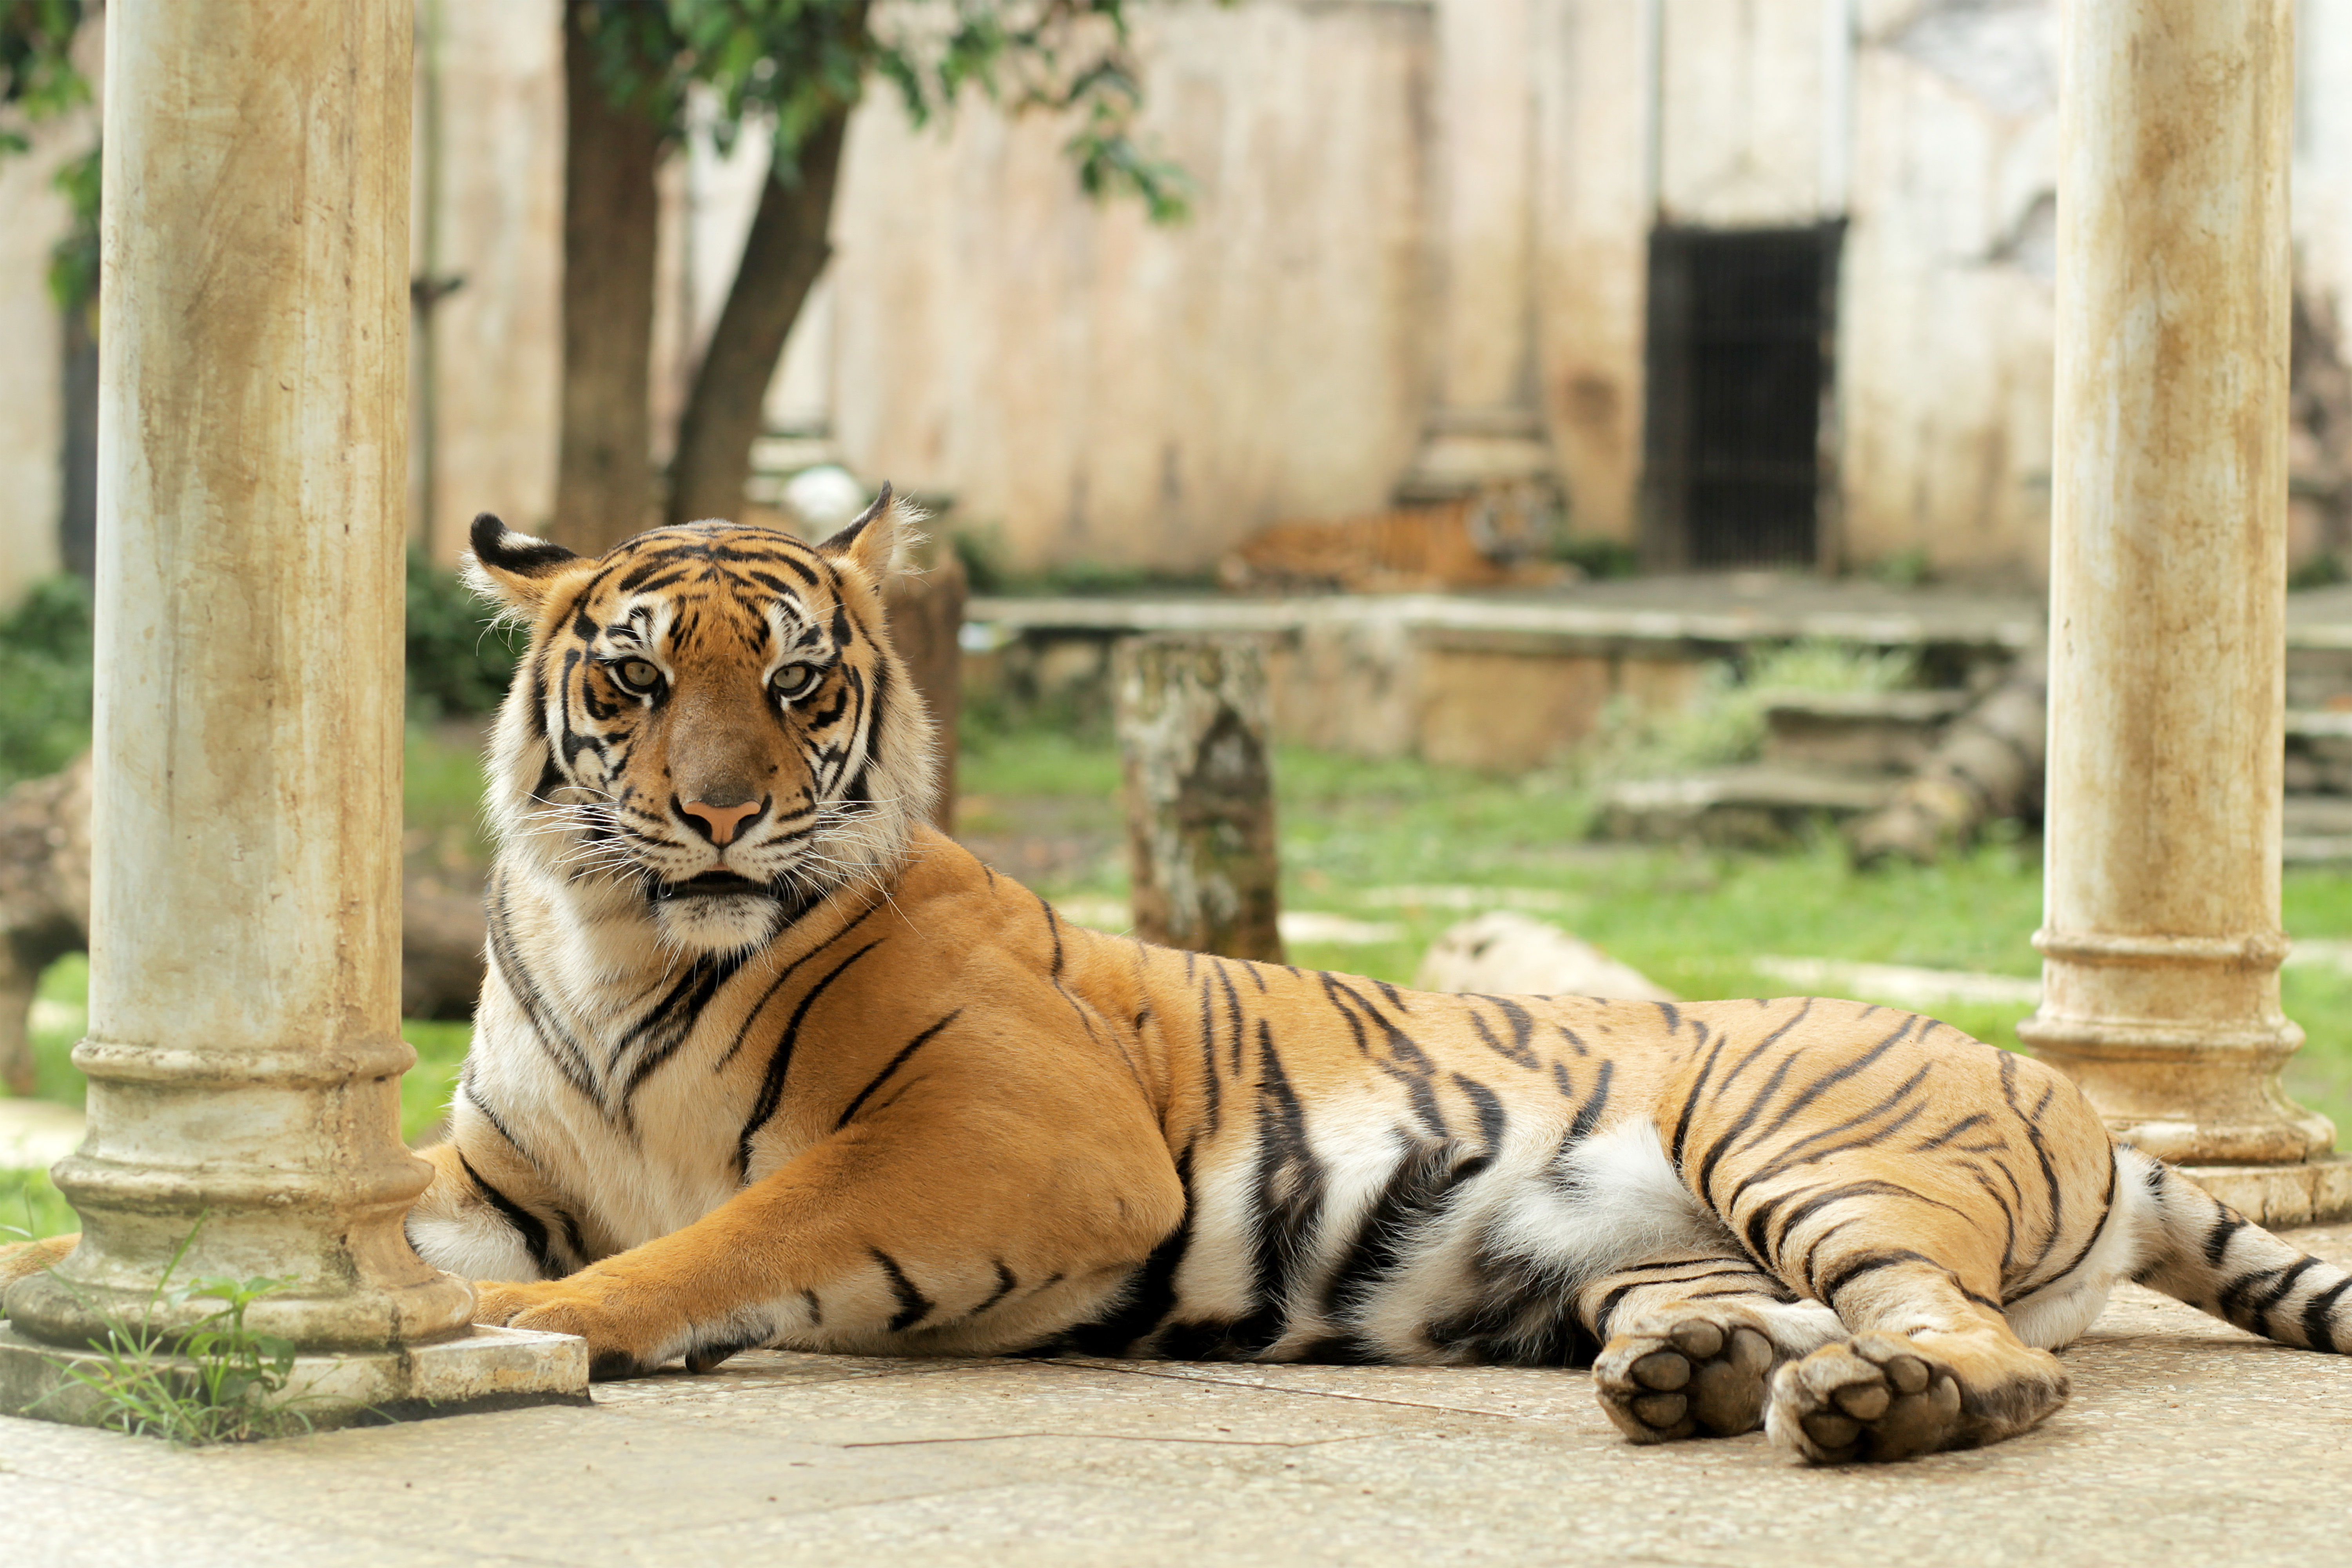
[{"x": 1741, "y": 330}]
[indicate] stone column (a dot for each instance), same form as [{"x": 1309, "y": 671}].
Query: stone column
[
  {"x": 2161, "y": 939},
  {"x": 1483, "y": 423},
  {"x": 244, "y": 1053}
]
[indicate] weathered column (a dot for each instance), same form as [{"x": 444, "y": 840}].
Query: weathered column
[
  {"x": 2161, "y": 939},
  {"x": 1193, "y": 721},
  {"x": 244, "y": 1052},
  {"x": 1483, "y": 426}
]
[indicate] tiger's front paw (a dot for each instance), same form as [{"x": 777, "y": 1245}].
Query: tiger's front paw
[
  {"x": 499, "y": 1302},
  {"x": 619, "y": 1345}
]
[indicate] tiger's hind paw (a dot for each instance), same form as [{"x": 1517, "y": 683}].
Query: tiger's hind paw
[
  {"x": 1685, "y": 1371},
  {"x": 1871, "y": 1399}
]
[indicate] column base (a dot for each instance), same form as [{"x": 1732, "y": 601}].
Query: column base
[
  {"x": 481, "y": 1370},
  {"x": 2316, "y": 1192}
]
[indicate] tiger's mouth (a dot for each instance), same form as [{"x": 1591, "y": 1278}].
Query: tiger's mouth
[{"x": 712, "y": 884}]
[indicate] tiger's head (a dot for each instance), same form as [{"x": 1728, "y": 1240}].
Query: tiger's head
[{"x": 709, "y": 722}]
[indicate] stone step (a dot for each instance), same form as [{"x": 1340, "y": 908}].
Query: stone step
[
  {"x": 1760, "y": 805},
  {"x": 1860, "y": 732},
  {"x": 2318, "y": 751},
  {"x": 2317, "y": 829}
]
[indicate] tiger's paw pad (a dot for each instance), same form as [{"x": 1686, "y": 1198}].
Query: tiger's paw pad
[
  {"x": 1872, "y": 1398},
  {"x": 1686, "y": 1372}
]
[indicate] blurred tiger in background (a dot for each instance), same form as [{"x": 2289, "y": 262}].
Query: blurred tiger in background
[
  {"x": 763, "y": 1060},
  {"x": 1499, "y": 536}
]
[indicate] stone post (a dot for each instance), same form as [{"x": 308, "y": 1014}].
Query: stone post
[
  {"x": 244, "y": 1053},
  {"x": 925, "y": 612},
  {"x": 1193, "y": 721},
  {"x": 2161, "y": 939},
  {"x": 1485, "y": 427}
]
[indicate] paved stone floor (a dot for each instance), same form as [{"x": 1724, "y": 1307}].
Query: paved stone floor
[{"x": 2186, "y": 1442}]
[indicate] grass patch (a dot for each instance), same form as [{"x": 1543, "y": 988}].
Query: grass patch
[
  {"x": 1359, "y": 838},
  {"x": 213, "y": 1381},
  {"x": 426, "y": 1089},
  {"x": 441, "y": 791}
]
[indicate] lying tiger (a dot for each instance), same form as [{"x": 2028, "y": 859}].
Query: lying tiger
[
  {"x": 764, "y": 1061},
  {"x": 1496, "y": 537}
]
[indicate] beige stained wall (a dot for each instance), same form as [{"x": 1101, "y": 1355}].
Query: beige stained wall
[
  {"x": 2322, "y": 194},
  {"x": 32, "y": 218},
  {"x": 1945, "y": 346},
  {"x": 1592, "y": 67},
  {"x": 1093, "y": 386}
]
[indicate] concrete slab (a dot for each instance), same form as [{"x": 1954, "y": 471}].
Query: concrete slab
[{"x": 2186, "y": 1441}]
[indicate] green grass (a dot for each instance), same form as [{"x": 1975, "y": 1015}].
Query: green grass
[
  {"x": 426, "y": 1089},
  {"x": 30, "y": 1206},
  {"x": 210, "y": 1379},
  {"x": 1354, "y": 832},
  {"x": 441, "y": 791}
]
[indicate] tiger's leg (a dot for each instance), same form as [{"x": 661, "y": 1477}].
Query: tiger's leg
[
  {"x": 1690, "y": 1339},
  {"x": 1933, "y": 1364}
]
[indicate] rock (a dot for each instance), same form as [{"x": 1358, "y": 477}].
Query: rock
[
  {"x": 1507, "y": 955},
  {"x": 823, "y": 498}
]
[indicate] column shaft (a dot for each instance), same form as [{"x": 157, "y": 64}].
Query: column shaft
[
  {"x": 244, "y": 1050},
  {"x": 2161, "y": 938}
]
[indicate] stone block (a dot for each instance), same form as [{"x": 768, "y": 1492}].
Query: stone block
[
  {"x": 2315, "y": 1191},
  {"x": 482, "y": 1370}
]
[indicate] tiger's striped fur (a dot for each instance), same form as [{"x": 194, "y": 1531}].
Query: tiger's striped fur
[{"x": 762, "y": 1060}]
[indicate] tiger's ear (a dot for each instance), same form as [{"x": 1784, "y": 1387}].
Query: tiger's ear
[
  {"x": 876, "y": 539},
  {"x": 514, "y": 570}
]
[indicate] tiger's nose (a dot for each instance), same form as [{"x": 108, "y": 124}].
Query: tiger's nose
[{"x": 720, "y": 823}]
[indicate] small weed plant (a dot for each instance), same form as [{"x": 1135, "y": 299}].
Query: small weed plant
[{"x": 215, "y": 1380}]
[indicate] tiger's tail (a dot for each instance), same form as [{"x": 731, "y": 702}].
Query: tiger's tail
[{"x": 2201, "y": 1251}]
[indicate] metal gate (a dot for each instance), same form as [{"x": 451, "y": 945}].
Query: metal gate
[{"x": 1741, "y": 327}]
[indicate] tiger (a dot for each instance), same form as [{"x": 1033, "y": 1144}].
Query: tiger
[
  {"x": 762, "y": 1060},
  {"x": 1496, "y": 537}
]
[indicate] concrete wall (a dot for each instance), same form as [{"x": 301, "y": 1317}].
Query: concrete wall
[
  {"x": 1594, "y": 198},
  {"x": 1093, "y": 386},
  {"x": 1945, "y": 341}
]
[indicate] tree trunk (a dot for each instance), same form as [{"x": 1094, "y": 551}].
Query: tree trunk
[
  {"x": 785, "y": 250},
  {"x": 1193, "y": 719},
  {"x": 603, "y": 481}
]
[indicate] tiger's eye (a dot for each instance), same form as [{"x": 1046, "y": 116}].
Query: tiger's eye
[
  {"x": 795, "y": 680},
  {"x": 638, "y": 675}
]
